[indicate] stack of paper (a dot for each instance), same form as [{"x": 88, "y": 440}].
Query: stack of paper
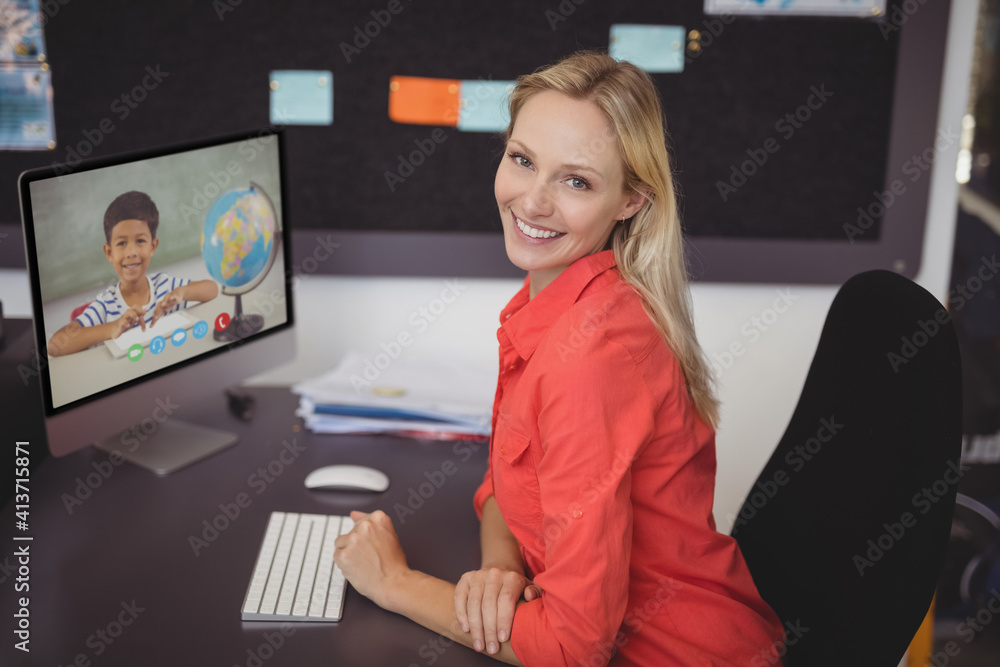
[{"x": 441, "y": 401}]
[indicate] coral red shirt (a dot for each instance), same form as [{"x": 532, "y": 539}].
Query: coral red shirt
[{"x": 605, "y": 475}]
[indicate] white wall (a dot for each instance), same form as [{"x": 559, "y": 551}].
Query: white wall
[{"x": 759, "y": 390}]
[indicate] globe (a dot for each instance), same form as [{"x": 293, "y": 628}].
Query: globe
[{"x": 239, "y": 244}]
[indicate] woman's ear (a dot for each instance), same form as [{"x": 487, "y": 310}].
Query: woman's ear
[{"x": 635, "y": 202}]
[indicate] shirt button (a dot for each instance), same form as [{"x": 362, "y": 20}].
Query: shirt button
[
  {"x": 577, "y": 513},
  {"x": 503, "y": 450}
]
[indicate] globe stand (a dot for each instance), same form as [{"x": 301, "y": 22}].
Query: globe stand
[{"x": 241, "y": 326}]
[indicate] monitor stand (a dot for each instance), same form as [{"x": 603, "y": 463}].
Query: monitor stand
[{"x": 173, "y": 445}]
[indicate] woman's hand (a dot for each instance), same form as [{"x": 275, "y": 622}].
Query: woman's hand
[
  {"x": 485, "y": 601},
  {"x": 370, "y": 556}
]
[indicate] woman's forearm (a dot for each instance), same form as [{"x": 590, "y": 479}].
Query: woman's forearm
[
  {"x": 499, "y": 546},
  {"x": 431, "y": 603},
  {"x": 372, "y": 559}
]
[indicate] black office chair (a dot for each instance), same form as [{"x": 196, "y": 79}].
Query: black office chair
[{"x": 845, "y": 530}]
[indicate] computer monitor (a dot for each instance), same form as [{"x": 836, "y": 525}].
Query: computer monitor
[{"x": 110, "y": 240}]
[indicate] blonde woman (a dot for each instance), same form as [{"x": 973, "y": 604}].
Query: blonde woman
[{"x": 597, "y": 534}]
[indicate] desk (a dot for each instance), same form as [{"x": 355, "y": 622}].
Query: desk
[{"x": 129, "y": 543}]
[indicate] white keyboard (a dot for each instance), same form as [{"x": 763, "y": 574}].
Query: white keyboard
[{"x": 295, "y": 578}]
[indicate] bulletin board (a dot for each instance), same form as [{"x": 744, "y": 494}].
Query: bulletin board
[{"x": 784, "y": 130}]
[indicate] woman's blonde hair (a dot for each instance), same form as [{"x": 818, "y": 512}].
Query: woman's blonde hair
[{"x": 649, "y": 247}]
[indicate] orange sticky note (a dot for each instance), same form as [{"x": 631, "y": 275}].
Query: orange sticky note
[{"x": 420, "y": 100}]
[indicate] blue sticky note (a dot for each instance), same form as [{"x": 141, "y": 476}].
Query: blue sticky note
[
  {"x": 301, "y": 97},
  {"x": 482, "y": 105},
  {"x": 654, "y": 48}
]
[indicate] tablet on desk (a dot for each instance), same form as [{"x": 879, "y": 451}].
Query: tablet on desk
[{"x": 166, "y": 327}]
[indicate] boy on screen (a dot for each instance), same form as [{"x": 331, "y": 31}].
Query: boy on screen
[{"x": 130, "y": 225}]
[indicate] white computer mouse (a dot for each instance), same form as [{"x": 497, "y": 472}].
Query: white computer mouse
[{"x": 347, "y": 477}]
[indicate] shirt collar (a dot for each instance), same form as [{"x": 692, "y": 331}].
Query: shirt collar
[
  {"x": 526, "y": 320},
  {"x": 121, "y": 298}
]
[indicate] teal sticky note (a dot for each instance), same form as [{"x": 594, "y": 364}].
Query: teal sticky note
[
  {"x": 654, "y": 48},
  {"x": 301, "y": 97},
  {"x": 482, "y": 105}
]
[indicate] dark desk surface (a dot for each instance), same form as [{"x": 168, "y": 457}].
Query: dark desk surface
[{"x": 125, "y": 552}]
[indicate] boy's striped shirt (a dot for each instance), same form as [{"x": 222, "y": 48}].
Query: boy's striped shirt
[{"x": 109, "y": 305}]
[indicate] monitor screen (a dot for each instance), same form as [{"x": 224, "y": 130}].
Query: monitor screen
[{"x": 146, "y": 267}]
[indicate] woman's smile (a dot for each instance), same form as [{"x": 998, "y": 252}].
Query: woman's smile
[{"x": 535, "y": 232}]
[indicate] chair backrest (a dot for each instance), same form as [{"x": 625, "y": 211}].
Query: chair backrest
[
  {"x": 79, "y": 311},
  {"x": 846, "y": 528}
]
